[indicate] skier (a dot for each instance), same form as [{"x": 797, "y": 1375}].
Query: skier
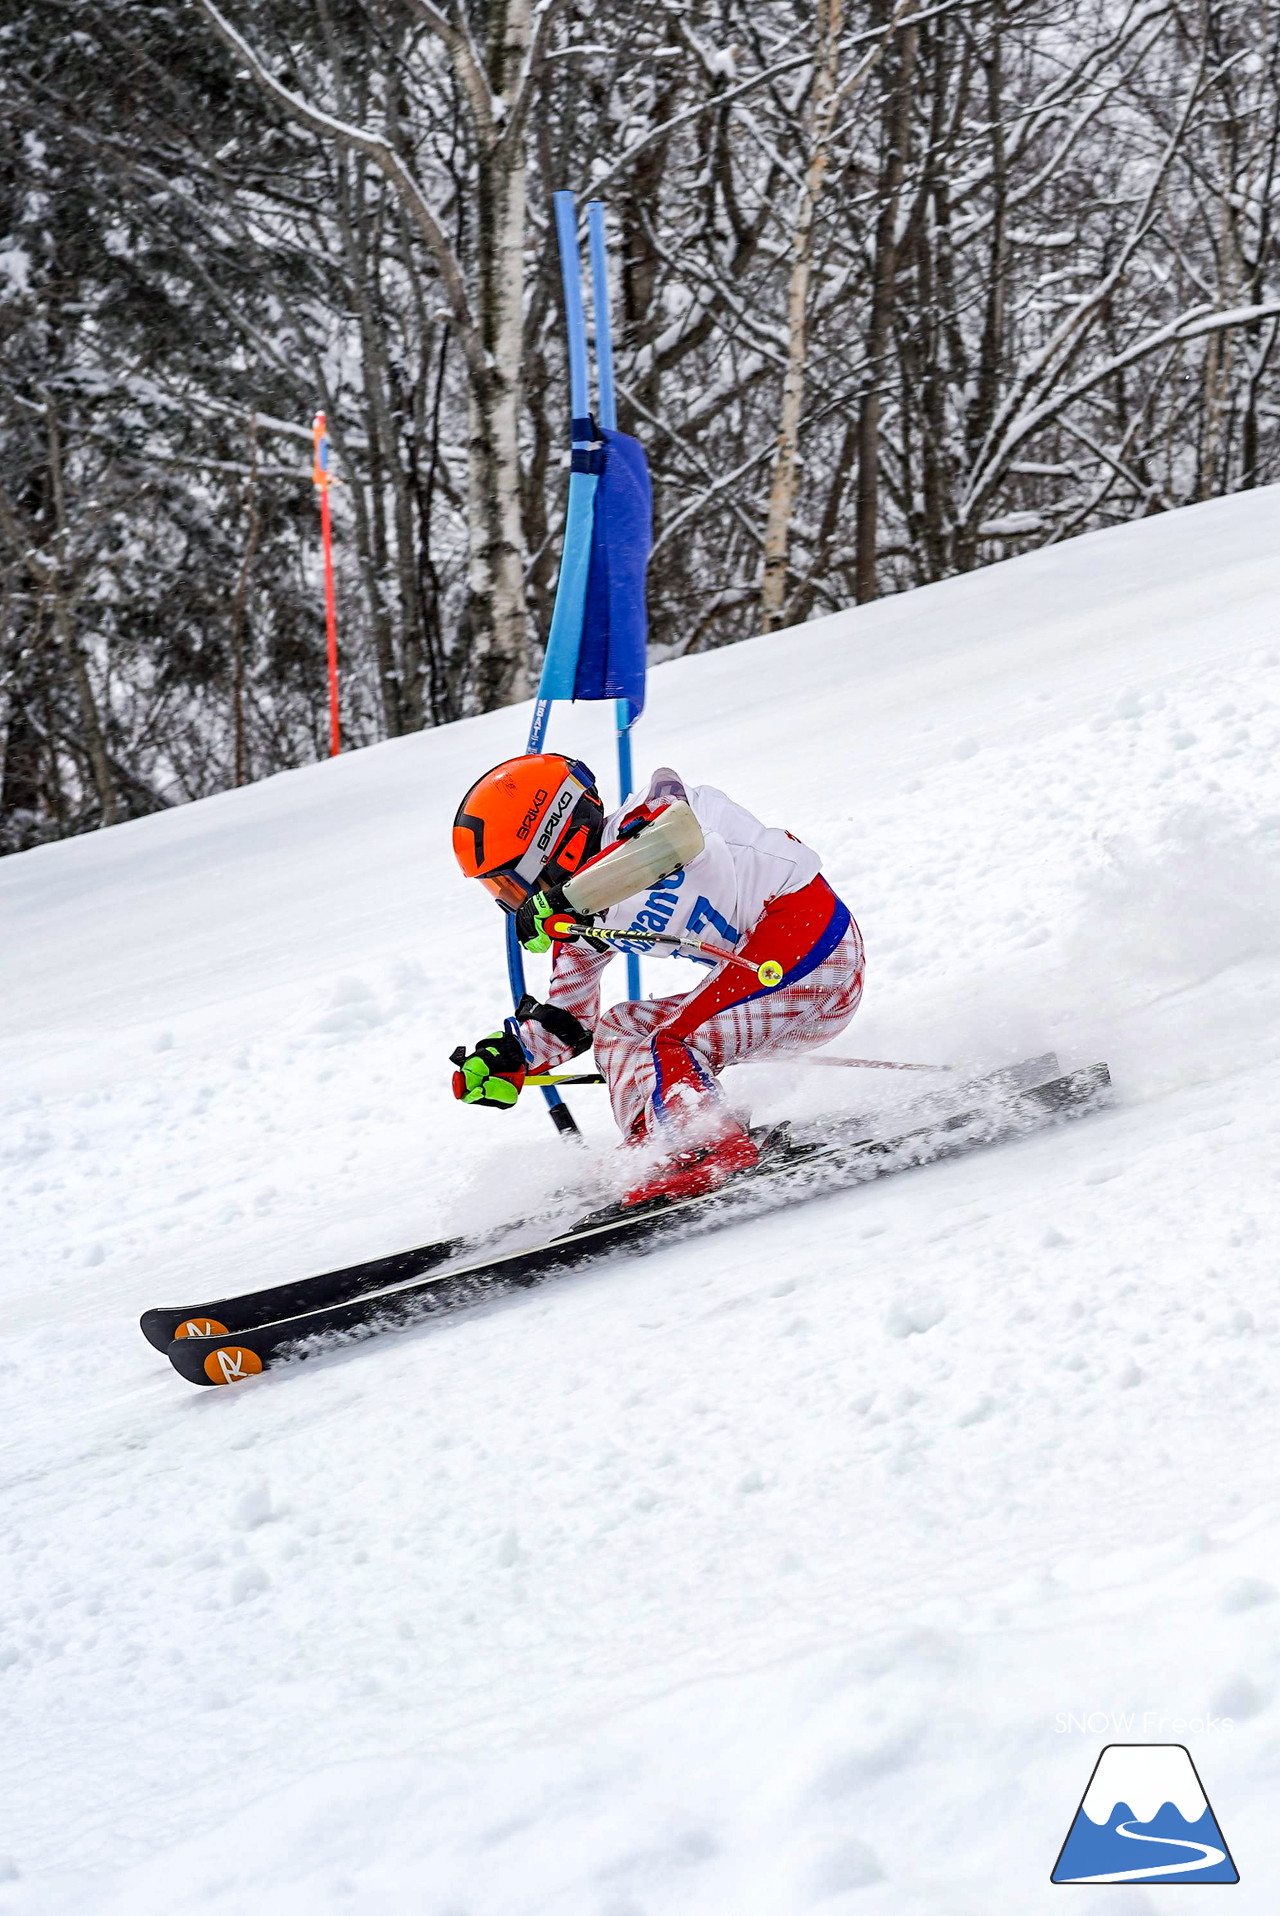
[{"x": 677, "y": 860}]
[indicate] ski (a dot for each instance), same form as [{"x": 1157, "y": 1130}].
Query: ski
[
  {"x": 222, "y": 1315},
  {"x": 789, "y": 1171},
  {"x": 161, "y": 1325}
]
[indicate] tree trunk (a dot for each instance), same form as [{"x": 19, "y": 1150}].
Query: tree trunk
[
  {"x": 396, "y": 678},
  {"x": 897, "y": 130},
  {"x": 499, "y": 623},
  {"x": 782, "y": 492},
  {"x": 59, "y": 584},
  {"x": 240, "y": 755},
  {"x": 21, "y": 785}
]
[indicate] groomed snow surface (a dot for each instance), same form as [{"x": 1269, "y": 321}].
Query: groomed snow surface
[{"x": 768, "y": 1574}]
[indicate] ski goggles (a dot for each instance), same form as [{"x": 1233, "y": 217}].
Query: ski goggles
[{"x": 507, "y": 887}]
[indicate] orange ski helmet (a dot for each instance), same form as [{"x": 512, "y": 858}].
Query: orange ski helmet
[{"x": 528, "y": 823}]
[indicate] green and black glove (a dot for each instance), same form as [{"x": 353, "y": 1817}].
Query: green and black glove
[
  {"x": 533, "y": 930},
  {"x": 492, "y": 1072}
]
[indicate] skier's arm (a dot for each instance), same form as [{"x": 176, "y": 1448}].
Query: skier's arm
[
  {"x": 539, "y": 1036},
  {"x": 573, "y": 1002}
]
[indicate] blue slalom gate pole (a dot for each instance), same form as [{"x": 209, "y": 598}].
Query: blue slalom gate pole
[
  {"x": 575, "y": 318},
  {"x": 562, "y": 670},
  {"x": 600, "y": 303},
  {"x": 579, "y": 403},
  {"x": 609, "y": 420}
]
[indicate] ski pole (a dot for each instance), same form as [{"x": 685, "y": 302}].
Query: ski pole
[
  {"x": 564, "y": 927},
  {"x": 568, "y": 1077},
  {"x": 863, "y": 1064},
  {"x": 857, "y": 1064}
]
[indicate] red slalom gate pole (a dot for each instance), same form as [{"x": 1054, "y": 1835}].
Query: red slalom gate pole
[{"x": 322, "y": 479}]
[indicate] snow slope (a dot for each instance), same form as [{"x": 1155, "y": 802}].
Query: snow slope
[{"x": 773, "y": 1573}]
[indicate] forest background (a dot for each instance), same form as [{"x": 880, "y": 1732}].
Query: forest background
[{"x": 900, "y": 288}]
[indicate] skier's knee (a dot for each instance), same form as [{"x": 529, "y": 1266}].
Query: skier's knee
[{"x": 614, "y": 1023}]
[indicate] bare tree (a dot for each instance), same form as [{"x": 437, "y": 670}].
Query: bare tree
[
  {"x": 60, "y": 572},
  {"x": 496, "y": 81}
]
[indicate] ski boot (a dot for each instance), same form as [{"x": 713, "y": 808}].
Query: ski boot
[{"x": 697, "y": 1168}]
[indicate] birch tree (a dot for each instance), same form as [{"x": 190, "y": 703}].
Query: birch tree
[
  {"x": 782, "y": 490},
  {"x": 496, "y": 77}
]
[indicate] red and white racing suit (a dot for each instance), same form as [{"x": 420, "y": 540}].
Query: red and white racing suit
[{"x": 752, "y": 889}]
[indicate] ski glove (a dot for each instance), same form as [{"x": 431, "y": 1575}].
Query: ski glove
[
  {"x": 492, "y": 1072},
  {"x": 532, "y": 916}
]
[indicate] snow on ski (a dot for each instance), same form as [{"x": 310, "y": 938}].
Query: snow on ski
[
  {"x": 242, "y": 1311},
  {"x": 793, "y": 1171}
]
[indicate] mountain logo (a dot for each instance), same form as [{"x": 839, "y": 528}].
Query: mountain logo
[{"x": 1144, "y": 1819}]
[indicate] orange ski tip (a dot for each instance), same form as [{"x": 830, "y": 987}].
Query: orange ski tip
[
  {"x": 231, "y": 1363},
  {"x": 201, "y": 1327}
]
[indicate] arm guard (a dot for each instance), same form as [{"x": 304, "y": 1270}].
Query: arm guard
[
  {"x": 559, "y": 1023},
  {"x": 670, "y": 840}
]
